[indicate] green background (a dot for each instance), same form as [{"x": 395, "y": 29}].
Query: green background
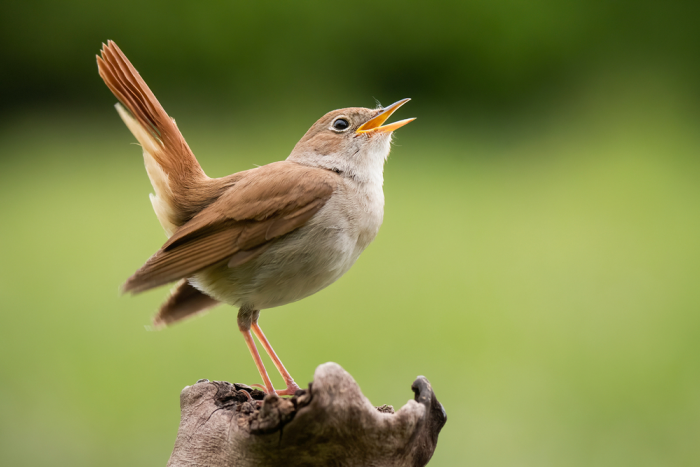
[{"x": 539, "y": 258}]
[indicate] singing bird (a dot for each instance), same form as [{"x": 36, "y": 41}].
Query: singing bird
[{"x": 263, "y": 237}]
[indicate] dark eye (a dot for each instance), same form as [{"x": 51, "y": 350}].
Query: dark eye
[{"x": 340, "y": 124}]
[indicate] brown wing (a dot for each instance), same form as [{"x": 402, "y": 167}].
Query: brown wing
[
  {"x": 185, "y": 301},
  {"x": 268, "y": 202}
]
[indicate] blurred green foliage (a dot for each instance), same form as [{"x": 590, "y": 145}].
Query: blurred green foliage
[
  {"x": 241, "y": 53},
  {"x": 538, "y": 261}
]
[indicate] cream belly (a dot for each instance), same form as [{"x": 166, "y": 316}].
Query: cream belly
[{"x": 302, "y": 262}]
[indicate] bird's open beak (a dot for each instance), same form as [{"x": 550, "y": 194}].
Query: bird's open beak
[{"x": 374, "y": 125}]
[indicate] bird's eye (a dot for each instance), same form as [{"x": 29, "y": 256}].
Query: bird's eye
[{"x": 340, "y": 124}]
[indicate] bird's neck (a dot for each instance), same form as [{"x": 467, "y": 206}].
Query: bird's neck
[{"x": 365, "y": 166}]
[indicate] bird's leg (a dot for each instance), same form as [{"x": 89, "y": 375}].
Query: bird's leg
[
  {"x": 245, "y": 318},
  {"x": 292, "y": 387},
  {"x": 258, "y": 361}
]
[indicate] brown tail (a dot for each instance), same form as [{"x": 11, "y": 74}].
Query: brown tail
[
  {"x": 184, "y": 301},
  {"x": 181, "y": 186}
]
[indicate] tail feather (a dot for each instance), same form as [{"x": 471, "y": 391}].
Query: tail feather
[
  {"x": 172, "y": 167},
  {"x": 181, "y": 187},
  {"x": 132, "y": 91}
]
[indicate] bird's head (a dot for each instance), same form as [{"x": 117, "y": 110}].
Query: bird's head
[{"x": 353, "y": 142}]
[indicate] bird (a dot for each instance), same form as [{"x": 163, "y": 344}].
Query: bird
[{"x": 263, "y": 237}]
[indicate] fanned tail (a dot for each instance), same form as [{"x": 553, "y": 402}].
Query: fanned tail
[{"x": 179, "y": 182}]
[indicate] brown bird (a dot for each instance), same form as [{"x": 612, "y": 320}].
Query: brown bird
[{"x": 263, "y": 237}]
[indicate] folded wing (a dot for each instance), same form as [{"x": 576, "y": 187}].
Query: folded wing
[{"x": 267, "y": 203}]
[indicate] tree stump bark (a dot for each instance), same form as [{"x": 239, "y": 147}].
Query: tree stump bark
[{"x": 330, "y": 423}]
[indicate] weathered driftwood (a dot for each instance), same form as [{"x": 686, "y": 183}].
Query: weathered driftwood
[{"x": 330, "y": 423}]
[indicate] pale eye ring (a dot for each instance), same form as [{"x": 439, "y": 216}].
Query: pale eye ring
[{"x": 340, "y": 124}]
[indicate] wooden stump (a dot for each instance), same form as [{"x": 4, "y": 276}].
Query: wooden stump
[{"x": 330, "y": 423}]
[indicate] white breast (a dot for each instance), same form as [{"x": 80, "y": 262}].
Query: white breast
[{"x": 306, "y": 260}]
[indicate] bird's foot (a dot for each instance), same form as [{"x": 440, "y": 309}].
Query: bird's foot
[
  {"x": 292, "y": 388},
  {"x": 261, "y": 387}
]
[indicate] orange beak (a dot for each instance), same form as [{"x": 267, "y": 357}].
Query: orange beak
[{"x": 374, "y": 125}]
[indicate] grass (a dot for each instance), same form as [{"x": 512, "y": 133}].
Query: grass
[{"x": 543, "y": 277}]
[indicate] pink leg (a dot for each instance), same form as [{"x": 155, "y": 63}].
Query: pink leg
[
  {"x": 292, "y": 387},
  {"x": 258, "y": 361}
]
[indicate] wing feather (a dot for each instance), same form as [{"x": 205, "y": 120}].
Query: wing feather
[
  {"x": 270, "y": 202},
  {"x": 184, "y": 302}
]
